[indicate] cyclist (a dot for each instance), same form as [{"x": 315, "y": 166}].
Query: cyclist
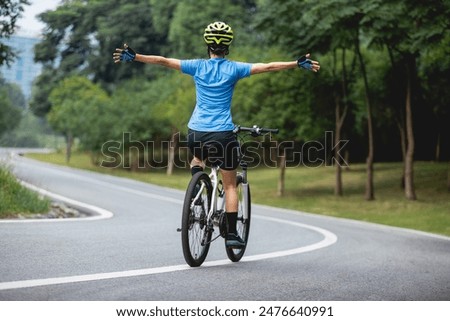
[{"x": 210, "y": 127}]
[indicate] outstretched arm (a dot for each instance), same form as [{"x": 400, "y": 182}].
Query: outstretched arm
[
  {"x": 159, "y": 60},
  {"x": 128, "y": 54},
  {"x": 304, "y": 62}
]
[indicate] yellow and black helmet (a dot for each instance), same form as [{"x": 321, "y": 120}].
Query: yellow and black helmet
[{"x": 218, "y": 34}]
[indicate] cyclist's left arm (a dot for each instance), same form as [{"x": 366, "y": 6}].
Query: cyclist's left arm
[
  {"x": 303, "y": 62},
  {"x": 259, "y": 68}
]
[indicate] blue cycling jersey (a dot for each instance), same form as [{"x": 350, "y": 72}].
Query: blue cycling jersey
[{"x": 214, "y": 81}]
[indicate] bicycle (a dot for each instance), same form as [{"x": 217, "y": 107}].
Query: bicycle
[{"x": 203, "y": 213}]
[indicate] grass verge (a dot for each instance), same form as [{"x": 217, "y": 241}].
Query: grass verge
[
  {"x": 311, "y": 190},
  {"x": 16, "y": 199}
]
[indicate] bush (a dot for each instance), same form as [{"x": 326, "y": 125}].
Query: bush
[{"x": 16, "y": 199}]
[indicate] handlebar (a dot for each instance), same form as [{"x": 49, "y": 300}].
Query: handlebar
[{"x": 255, "y": 130}]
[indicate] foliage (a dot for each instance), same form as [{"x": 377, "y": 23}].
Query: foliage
[
  {"x": 9, "y": 115},
  {"x": 77, "y": 107},
  {"x": 11, "y": 103},
  {"x": 30, "y": 132},
  {"x": 79, "y": 40},
  {"x": 282, "y": 100},
  {"x": 10, "y": 12},
  {"x": 186, "y": 29},
  {"x": 175, "y": 108},
  {"x": 150, "y": 102}
]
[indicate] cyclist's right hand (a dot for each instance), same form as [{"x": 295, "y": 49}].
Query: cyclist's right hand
[
  {"x": 126, "y": 54},
  {"x": 305, "y": 63}
]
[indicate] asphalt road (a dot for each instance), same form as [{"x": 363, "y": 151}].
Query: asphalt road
[{"x": 136, "y": 254}]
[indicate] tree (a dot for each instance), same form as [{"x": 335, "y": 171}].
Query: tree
[
  {"x": 175, "y": 110},
  {"x": 281, "y": 100},
  {"x": 186, "y": 30},
  {"x": 74, "y": 100},
  {"x": 407, "y": 29},
  {"x": 79, "y": 39},
  {"x": 42, "y": 87},
  {"x": 136, "y": 123},
  {"x": 11, "y": 104},
  {"x": 342, "y": 106},
  {"x": 14, "y": 92},
  {"x": 329, "y": 34},
  {"x": 9, "y": 114},
  {"x": 434, "y": 65},
  {"x": 10, "y": 12}
]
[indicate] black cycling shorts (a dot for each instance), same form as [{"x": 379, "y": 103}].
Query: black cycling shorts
[{"x": 219, "y": 148}]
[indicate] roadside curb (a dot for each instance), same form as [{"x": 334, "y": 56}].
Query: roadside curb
[{"x": 95, "y": 213}]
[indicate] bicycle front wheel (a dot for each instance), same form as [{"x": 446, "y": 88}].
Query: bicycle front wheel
[
  {"x": 195, "y": 233},
  {"x": 243, "y": 219}
]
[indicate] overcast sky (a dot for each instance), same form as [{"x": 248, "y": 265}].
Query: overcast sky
[{"x": 28, "y": 23}]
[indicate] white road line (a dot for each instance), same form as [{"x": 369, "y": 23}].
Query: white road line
[{"x": 329, "y": 239}]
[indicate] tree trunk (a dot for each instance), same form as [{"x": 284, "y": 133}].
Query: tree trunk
[
  {"x": 338, "y": 190},
  {"x": 69, "y": 143},
  {"x": 281, "y": 180},
  {"x": 340, "y": 117},
  {"x": 448, "y": 177},
  {"x": 409, "y": 156},
  {"x": 438, "y": 148},
  {"x": 347, "y": 160},
  {"x": 171, "y": 152},
  {"x": 401, "y": 130},
  {"x": 369, "y": 194}
]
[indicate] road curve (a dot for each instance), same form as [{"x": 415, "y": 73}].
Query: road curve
[{"x": 135, "y": 254}]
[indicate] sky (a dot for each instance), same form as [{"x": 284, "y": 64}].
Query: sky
[{"x": 29, "y": 24}]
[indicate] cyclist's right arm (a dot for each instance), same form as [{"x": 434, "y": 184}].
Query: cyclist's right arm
[
  {"x": 159, "y": 60},
  {"x": 127, "y": 54}
]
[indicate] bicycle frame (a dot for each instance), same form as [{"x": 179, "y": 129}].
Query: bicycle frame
[
  {"x": 218, "y": 208},
  {"x": 215, "y": 184}
]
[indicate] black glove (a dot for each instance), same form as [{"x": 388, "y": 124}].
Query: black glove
[{"x": 126, "y": 54}]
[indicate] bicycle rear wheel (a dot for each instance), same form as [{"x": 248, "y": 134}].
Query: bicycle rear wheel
[
  {"x": 243, "y": 220},
  {"x": 195, "y": 235}
]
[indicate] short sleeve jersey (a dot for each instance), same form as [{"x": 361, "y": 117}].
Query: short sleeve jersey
[{"x": 215, "y": 80}]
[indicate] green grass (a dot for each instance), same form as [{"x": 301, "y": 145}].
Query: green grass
[
  {"x": 312, "y": 190},
  {"x": 16, "y": 199}
]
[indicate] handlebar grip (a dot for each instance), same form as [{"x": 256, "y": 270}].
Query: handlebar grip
[
  {"x": 270, "y": 130},
  {"x": 244, "y": 129},
  {"x": 255, "y": 130}
]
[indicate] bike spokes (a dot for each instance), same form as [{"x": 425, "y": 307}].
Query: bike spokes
[{"x": 195, "y": 233}]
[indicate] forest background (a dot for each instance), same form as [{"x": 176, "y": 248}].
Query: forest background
[{"x": 381, "y": 94}]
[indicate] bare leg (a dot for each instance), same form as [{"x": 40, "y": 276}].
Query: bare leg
[
  {"x": 229, "y": 184},
  {"x": 232, "y": 239},
  {"x": 197, "y": 162}
]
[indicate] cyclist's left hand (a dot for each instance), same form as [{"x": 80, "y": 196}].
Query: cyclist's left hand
[
  {"x": 305, "y": 63},
  {"x": 126, "y": 54}
]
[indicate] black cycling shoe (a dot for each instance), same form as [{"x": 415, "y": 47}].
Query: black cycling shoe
[{"x": 234, "y": 241}]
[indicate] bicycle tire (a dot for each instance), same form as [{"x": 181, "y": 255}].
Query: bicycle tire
[
  {"x": 193, "y": 222},
  {"x": 243, "y": 226}
]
